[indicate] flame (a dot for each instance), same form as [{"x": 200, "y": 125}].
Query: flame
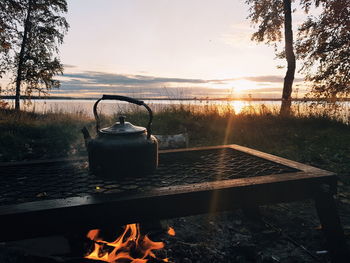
[
  {"x": 93, "y": 234},
  {"x": 130, "y": 246},
  {"x": 171, "y": 231}
]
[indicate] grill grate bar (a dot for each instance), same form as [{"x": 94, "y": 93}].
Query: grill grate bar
[{"x": 35, "y": 182}]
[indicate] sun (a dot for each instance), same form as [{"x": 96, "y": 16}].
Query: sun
[{"x": 242, "y": 86}]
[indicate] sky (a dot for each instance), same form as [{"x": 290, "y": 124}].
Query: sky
[{"x": 166, "y": 48}]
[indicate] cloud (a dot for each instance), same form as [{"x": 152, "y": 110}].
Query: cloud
[
  {"x": 261, "y": 79},
  {"x": 103, "y": 78},
  {"x": 148, "y": 91},
  {"x": 269, "y": 78},
  {"x": 94, "y": 77},
  {"x": 95, "y": 82},
  {"x": 90, "y": 83},
  {"x": 69, "y": 66},
  {"x": 265, "y": 90}
]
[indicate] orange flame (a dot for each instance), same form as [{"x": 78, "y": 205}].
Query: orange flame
[
  {"x": 171, "y": 231},
  {"x": 125, "y": 247}
]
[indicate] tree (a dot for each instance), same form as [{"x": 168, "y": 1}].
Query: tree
[
  {"x": 8, "y": 11},
  {"x": 272, "y": 15},
  {"x": 324, "y": 47},
  {"x": 39, "y": 29}
]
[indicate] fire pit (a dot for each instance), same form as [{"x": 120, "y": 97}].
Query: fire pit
[{"x": 59, "y": 196}]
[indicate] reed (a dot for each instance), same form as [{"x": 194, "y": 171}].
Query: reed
[{"x": 316, "y": 139}]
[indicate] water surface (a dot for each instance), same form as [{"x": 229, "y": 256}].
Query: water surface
[{"x": 109, "y": 107}]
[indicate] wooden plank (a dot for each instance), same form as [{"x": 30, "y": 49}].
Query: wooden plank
[
  {"x": 280, "y": 160},
  {"x": 331, "y": 225},
  {"x": 70, "y": 214},
  {"x": 65, "y": 215},
  {"x": 181, "y": 189}
]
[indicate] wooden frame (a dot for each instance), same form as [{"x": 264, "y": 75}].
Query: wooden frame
[{"x": 82, "y": 213}]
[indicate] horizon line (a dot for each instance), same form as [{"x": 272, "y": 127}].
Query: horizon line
[{"x": 172, "y": 99}]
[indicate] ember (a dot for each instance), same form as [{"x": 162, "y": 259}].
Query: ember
[
  {"x": 171, "y": 231},
  {"x": 130, "y": 246}
]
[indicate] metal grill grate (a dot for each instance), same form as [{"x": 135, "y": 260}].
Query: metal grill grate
[{"x": 34, "y": 182}]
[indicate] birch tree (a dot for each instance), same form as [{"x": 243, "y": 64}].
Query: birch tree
[{"x": 32, "y": 57}]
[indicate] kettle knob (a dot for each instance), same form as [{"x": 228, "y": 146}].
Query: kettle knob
[{"x": 122, "y": 119}]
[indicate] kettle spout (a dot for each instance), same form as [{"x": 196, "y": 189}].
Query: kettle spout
[{"x": 86, "y": 135}]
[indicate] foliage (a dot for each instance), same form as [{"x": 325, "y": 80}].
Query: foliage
[
  {"x": 324, "y": 46},
  {"x": 272, "y": 15},
  {"x": 323, "y": 42},
  {"x": 3, "y": 104},
  {"x": 26, "y": 135},
  {"x": 10, "y": 11},
  {"x": 268, "y": 15},
  {"x": 34, "y": 29}
]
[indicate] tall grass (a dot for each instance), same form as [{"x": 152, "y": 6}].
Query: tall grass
[
  {"x": 27, "y": 135},
  {"x": 317, "y": 139}
]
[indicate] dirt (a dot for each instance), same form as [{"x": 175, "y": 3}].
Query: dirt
[
  {"x": 288, "y": 232},
  {"x": 281, "y": 233}
]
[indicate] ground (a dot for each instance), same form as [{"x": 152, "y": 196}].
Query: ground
[{"x": 281, "y": 233}]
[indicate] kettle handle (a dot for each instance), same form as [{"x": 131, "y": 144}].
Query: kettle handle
[{"x": 128, "y": 99}]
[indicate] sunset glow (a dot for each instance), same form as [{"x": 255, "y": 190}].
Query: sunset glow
[{"x": 166, "y": 49}]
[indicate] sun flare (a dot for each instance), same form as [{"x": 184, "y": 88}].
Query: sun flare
[{"x": 243, "y": 86}]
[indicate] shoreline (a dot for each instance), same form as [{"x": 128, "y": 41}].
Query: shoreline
[{"x": 175, "y": 99}]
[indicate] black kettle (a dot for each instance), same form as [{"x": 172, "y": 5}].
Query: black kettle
[{"x": 123, "y": 149}]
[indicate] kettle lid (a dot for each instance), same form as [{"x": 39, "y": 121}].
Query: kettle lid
[{"x": 123, "y": 128}]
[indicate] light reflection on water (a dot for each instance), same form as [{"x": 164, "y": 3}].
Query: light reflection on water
[{"x": 238, "y": 106}]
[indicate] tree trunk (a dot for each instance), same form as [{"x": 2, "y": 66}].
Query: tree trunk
[
  {"x": 289, "y": 78},
  {"x": 27, "y": 25}
]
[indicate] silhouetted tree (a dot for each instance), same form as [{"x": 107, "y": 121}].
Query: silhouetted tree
[
  {"x": 39, "y": 29},
  {"x": 9, "y": 10},
  {"x": 272, "y": 16},
  {"x": 324, "y": 47}
]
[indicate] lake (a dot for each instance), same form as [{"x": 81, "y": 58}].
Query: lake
[{"x": 109, "y": 107}]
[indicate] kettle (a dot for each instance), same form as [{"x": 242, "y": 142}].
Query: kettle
[{"x": 123, "y": 149}]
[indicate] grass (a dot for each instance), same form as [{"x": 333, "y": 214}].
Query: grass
[
  {"x": 315, "y": 139},
  {"x": 25, "y": 136}
]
